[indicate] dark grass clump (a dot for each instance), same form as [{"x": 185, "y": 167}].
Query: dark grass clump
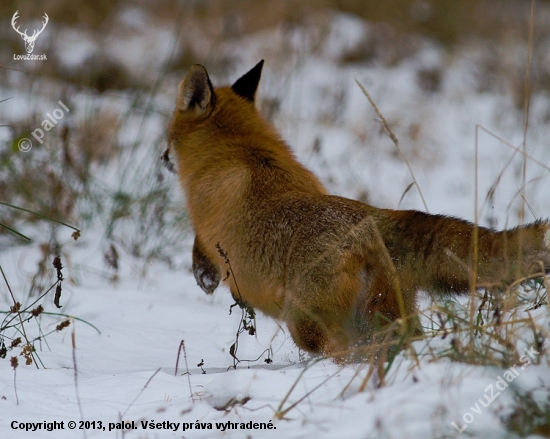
[{"x": 14, "y": 331}]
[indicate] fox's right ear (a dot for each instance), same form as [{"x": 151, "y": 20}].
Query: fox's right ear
[{"x": 195, "y": 92}]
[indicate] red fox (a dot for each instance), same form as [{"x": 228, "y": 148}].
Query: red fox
[{"x": 329, "y": 267}]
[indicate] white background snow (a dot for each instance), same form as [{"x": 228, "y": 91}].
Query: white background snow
[{"x": 127, "y": 370}]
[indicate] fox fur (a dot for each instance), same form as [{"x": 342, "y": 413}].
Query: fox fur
[{"x": 329, "y": 267}]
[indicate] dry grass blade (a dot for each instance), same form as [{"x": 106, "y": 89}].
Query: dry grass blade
[
  {"x": 182, "y": 348},
  {"x": 405, "y": 192},
  {"x": 73, "y": 340},
  {"x": 280, "y": 413},
  {"x": 15, "y": 232},
  {"x": 14, "y": 364},
  {"x": 527, "y": 103},
  {"x": 141, "y": 391},
  {"x": 394, "y": 139},
  {"x": 526, "y": 108},
  {"x": 515, "y": 148},
  {"x": 40, "y": 215}
]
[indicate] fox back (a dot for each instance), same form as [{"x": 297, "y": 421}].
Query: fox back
[{"x": 332, "y": 268}]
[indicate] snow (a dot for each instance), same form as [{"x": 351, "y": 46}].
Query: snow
[{"x": 126, "y": 372}]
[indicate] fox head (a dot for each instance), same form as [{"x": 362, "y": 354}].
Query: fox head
[
  {"x": 217, "y": 134},
  {"x": 204, "y": 115}
]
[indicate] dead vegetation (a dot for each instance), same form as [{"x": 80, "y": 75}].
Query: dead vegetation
[{"x": 66, "y": 177}]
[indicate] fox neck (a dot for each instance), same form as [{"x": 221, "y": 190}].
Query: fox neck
[{"x": 257, "y": 159}]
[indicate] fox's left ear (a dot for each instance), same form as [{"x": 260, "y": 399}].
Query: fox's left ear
[
  {"x": 195, "y": 93},
  {"x": 247, "y": 84}
]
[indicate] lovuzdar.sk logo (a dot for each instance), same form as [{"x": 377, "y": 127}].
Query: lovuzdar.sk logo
[{"x": 29, "y": 39}]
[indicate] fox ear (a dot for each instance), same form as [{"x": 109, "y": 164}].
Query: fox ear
[
  {"x": 195, "y": 92},
  {"x": 247, "y": 84}
]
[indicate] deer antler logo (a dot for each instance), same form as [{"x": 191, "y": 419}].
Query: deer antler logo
[{"x": 29, "y": 40}]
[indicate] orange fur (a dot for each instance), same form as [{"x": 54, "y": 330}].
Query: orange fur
[{"x": 326, "y": 265}]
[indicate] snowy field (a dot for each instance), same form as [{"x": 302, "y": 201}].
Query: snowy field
[{"x": 116, "y": 362}]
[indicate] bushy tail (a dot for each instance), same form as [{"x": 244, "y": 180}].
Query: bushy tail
[{"x": 444, "y": 254}]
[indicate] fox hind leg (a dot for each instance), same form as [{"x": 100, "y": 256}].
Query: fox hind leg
[{"x": 321, "y": 310}]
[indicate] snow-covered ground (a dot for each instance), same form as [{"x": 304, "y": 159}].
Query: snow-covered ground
[{"x": 122, "y": 369}]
